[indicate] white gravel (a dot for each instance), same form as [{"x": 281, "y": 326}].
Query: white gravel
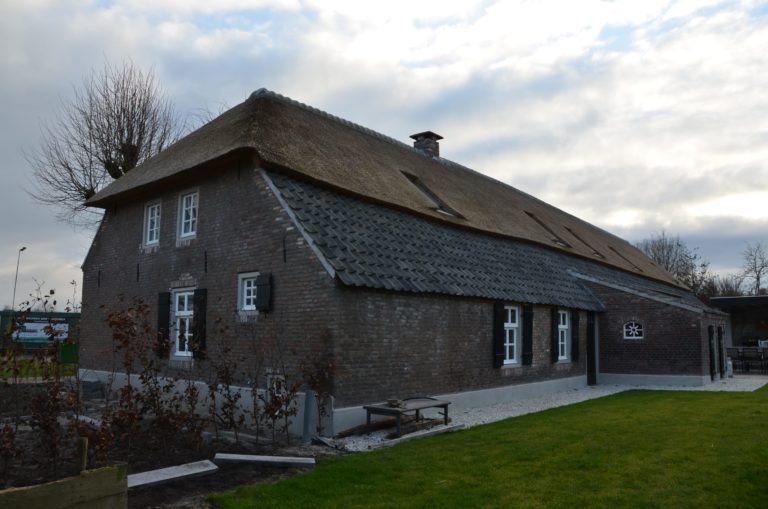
[{"x": 469, "y": 417}]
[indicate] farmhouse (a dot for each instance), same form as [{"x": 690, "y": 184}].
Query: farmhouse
[{"x": 409, "y": 273}]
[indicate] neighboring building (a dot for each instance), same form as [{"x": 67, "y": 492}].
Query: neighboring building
[
  {"x": 748, "y": 320},
  {"x": 413, "y": 274}
]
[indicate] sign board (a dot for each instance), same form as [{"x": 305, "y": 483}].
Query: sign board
[
  {"x": 31, "y": 327},
  {"x": 34, "y": 329}
]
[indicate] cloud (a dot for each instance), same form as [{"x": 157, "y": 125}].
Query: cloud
[{"x": 633, "y": 115}]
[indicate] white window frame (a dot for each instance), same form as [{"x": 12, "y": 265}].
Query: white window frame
[
  {"x": 638, "y": 327},
  {"x": 246, "y": 281},
  {"x": 149, "y": 226},
  {"x": 511, "y": 335},
  {"x": 188, "y": 225},
  {"x": 183, "y": 317},
  {"x": 563, "y": 334}
]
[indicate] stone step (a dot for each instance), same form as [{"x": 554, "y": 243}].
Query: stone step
[{"x": 169, "y": 474}]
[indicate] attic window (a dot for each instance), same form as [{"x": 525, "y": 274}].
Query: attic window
[
  {"x": 595, "y": 252},
  {"x": 625, "y": 259},
  {"x": 633, "y": 330},
  {"x": 553, "y": 236},
  {"x": 440, "y": 205}
]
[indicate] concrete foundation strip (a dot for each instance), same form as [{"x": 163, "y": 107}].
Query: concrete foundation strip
[{"x": 270, "y": 461}]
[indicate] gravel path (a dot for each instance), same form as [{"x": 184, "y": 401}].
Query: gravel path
[{"x": 469, "y": 417}]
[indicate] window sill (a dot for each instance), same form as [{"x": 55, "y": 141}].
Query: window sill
[
  {"x": 181, "y": 361},
  {"x": 186, "y": 241},
  {"x": 154, "y": 248},
  {"x": 246, "y": 316}
]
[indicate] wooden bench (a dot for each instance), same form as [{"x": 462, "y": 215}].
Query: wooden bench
[{"x": 407, "y": 405}]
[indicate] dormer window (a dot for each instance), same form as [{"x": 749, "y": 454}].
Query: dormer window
[
  {"x": 552, "y": 235},
  {"x": 595, "y": 252},
  {"x": 440, "y": 205},
  {"x": 625, "y": 258}
]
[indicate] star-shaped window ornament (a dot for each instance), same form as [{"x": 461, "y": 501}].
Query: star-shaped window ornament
[{"x": 633, "y": 330}]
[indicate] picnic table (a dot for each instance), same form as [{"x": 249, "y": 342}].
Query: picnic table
[{"x": 407, "y": 405}]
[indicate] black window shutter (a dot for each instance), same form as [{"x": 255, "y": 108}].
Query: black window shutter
[
  {"x": 498, "y": 334},
  {"x": 163, "y": 323},
  {"x": 554, "y": 347},
  {"x": 264, "y": 292},
  {"x": 199, "y": 303},
  {"x": 575, "y": 335},
  {"x": 527, "y": 334}
]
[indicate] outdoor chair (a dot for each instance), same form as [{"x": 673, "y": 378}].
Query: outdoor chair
[
  {"x": 735, "y": 355},
  {"x": 751, "y": 358}
]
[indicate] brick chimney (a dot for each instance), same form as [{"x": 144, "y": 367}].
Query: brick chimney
[{"x": 427, "y": 142}]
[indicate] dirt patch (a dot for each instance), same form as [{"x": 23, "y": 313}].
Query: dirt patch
[
  {"x": 149, "y": 450},
  {"x": 193, "y": 493}
]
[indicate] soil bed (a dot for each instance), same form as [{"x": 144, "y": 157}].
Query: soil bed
[{"x": 34, "y": 465}]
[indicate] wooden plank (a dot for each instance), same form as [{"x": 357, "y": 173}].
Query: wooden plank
[
  {"x": 102, "y": 488},
  {"x": 423, "y": 434},
  {"x": 163, "y": 475},
  {"x": 270, "y": 461}
]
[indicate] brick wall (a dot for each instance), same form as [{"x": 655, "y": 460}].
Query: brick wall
[
  {"x": 241, "y": 228},
  {"x": 400, "y": 345},
  {"x": 384, "y": 343},
  {"x": 674, "y": 339}
]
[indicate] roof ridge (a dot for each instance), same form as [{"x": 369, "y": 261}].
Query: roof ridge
[{"x": 265, "y": 92}]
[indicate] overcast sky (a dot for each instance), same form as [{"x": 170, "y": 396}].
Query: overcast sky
[{"x": 635, "y": 116}]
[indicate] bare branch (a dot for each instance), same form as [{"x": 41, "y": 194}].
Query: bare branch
[
  {"x": 678, "y": 259},
  {"x": 755, "y": 265},
  {"x": 117, "y": 119}
]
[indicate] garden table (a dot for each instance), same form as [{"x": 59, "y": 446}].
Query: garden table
[{"x": 407, "y": 405}]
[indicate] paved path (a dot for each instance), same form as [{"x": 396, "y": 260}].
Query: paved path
[{"x": 469, "y": 417}]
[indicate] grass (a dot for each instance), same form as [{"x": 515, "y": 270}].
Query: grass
[
  {"x": 33, "y": 368},
  {"x": 635, "y": 449}
]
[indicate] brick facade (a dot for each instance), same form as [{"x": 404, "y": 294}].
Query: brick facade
[
  {"x": 672, "y": 342},
  {"x": 384, "y": 343}
]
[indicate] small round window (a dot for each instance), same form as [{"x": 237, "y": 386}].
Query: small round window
[{"x": 633, "y": 330}]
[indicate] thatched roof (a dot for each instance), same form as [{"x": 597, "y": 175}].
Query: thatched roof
[{"x": 285, "y": 135}]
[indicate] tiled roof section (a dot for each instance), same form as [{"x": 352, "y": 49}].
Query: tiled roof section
[
  {"x": 280, "y": 133},
  {"x": 373, "y": 246}
]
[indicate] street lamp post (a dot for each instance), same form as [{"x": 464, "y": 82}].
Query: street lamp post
[{"x": 16, "y": 279}]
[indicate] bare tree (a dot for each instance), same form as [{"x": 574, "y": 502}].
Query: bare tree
[
  {"x": 677, "y": 258},
  {"x": 730, "y": 285},
  {"x": 755, "y": 264},
  {"x": 117, "y": 119}
]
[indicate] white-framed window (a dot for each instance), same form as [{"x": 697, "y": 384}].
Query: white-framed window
[
  {"x": 183, "y": 313},
  {"x": 246, "y": 291},
  {"x": 188, "y": 215},
  {"x": 152, "y": 224},
  {"x": 511, "y": 335},
  {"x": 563, "y": 335},
  {"x": 633, "y": 330}
]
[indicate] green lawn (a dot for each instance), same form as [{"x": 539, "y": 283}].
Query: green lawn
[
  {"x": 635, "y": 449},
  {"x": 31, "y": 368}
]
